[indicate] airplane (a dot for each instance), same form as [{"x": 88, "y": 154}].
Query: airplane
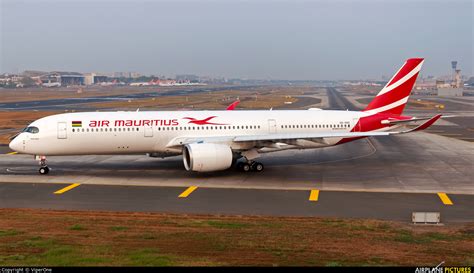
[
  {"x": 51, "y": 84},
  {"x": 149, "y": 83},
  {"x": 216, "y": 140}
]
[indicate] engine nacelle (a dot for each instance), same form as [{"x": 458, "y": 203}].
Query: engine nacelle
[{"x": 207, "y": 157}]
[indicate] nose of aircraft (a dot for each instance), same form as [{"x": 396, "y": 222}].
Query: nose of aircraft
[{"x": 15, "y": 144}]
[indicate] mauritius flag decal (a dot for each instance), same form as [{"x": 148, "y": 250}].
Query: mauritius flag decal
[{"x": 77, "y": 124}]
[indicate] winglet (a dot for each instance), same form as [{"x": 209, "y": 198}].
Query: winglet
[
  {"x": 425, "y": 125},
  {"x": 428, "y": 123},
  {"x": 233, "y": 105}
]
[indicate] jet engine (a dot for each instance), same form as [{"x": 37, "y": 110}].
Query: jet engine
[{"x": 207, "y": 157}]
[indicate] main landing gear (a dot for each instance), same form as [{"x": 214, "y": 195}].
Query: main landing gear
[
  {"x": 250, "y": 166},
  {"x": 43, "y": 167}
]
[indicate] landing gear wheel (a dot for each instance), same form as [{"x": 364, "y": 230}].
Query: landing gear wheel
[
  {"x": 246, "y": 167},
  {"x": 257, "y": 166},
  {"x": 44, "y": 170}
]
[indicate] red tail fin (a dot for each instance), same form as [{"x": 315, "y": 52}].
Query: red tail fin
[{"x": 394, "y": 96}]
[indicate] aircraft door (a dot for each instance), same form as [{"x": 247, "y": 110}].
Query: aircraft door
[
  {"x": 62, "y": 130},
  {"x": 271, "y": 126},
  {"x": 148, "y": 131}
]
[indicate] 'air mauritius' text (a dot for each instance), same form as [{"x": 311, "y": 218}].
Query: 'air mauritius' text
[{"x": 133, "y": 123}]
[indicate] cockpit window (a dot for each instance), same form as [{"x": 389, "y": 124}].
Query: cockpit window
[{"x": 31, "y": 129}]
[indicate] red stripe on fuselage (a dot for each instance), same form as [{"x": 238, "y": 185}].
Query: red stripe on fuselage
[{"x": 371, "y": 123}]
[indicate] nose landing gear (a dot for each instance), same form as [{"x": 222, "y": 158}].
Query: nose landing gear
[{"x": 43, "y": 166}]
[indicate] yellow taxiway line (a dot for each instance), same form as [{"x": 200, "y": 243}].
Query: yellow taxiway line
[
  {"x": 70, "y": 187},
  {"x": 314, "y": 195},
  {"x": 12, "y": 153},
  {"x": 444, "y": 198},
  {"x": 187, "y": 192}
]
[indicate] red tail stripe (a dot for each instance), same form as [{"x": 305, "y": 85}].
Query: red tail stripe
[
  {"x": 409, "y": 66},
  {"x": 395, "y": 110},
  {"x": 392, "y": 96}
]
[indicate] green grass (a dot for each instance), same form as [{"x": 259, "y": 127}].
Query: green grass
[
  {"x": 371, "y": 227},
  {"x": 149, "y": 257},
  {"x": 216, "y": 240},
  {"x": 148, "y": 236},
  {"x": 406, "y": 236},
  {"x": 118, "y": 228},
  {"x": 334, "y": 223},
  {"x": 272, "y": 225},
  {"x": 38, "y": 242},
  {"x": 9, "y": 232},
  {"x": 48, "y": 252},
  {"x": 333, "y": 263},
  {"x": 227, "y": 225},
  {"x": 77, "y": 227}
]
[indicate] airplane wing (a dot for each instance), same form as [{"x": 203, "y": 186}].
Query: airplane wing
[{"x": 294, "y": 136}]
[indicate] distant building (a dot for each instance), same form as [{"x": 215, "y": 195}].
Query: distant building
[
  {"x": 450, "y": 92},
  {"x": 93, "y": 78},
  {"x": 11, "y": 80},
  {"x": 135, "y": 75},
  {"x": 61, "y": 78},
  {"x": 453, "y": 88},
  {"x": 187, "y": 77}
]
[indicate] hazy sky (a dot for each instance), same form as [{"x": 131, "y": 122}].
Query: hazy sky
[{"x": 255, "y": 39}]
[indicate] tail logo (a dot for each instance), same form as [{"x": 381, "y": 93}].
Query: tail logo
[{"x": 394, "y": 96}]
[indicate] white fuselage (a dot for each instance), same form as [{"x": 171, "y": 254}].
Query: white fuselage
[{"x": 155, "y": 131}]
